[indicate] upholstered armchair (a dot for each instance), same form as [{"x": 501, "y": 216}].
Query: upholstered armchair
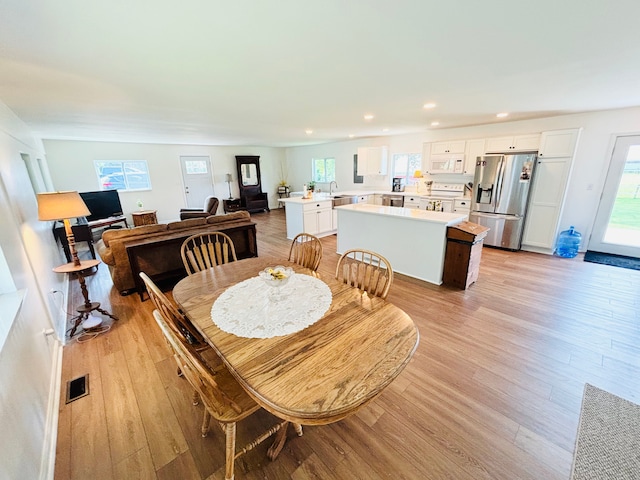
[{"x": 210, "y": 208}]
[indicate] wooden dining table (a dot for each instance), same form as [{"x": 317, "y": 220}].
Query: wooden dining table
[{"x": 320, "y": 374}]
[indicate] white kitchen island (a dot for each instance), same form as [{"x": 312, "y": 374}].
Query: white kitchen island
[{"x": 414, "y": 241}]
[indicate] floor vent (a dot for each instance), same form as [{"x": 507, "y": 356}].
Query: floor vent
[{"x": 77, "y": 388}]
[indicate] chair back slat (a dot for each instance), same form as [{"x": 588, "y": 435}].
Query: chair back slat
[
  {"x": 306, "y": 250},
  {"x": 205, "y": 250},
  {"x": 365, "y": 270}
]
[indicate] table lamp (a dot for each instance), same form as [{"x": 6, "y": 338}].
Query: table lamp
[
  {"x": 417, "y": 174},
  {"x": 228, "y": 180},
  {"x": 63, "y": 206}
]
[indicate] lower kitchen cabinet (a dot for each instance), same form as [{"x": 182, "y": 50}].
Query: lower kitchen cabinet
[{"x": 314, "y": 217}]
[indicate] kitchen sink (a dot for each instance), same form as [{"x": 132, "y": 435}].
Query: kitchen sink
[{"x": 339, "y": 200}]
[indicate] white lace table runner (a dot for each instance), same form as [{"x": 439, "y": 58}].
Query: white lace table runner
[{"x": 249, "y": 309}]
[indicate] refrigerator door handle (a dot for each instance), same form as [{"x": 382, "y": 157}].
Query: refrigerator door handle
[{"x": 499, "y": 183}]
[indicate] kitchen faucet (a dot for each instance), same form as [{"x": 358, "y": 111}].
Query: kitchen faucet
[{"x": 330, "y": 191}]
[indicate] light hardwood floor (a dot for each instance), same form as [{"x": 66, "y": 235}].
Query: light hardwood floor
[{"x": 493, "y": 391}]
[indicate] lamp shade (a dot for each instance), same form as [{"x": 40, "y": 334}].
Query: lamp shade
[
  {"x": 61, "y": 205},
  {"x": 228, "y": 177}
]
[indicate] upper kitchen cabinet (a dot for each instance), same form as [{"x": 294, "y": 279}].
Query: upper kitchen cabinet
[
  {"x": 558, "y": 143},
  {"x": 474, "y": 149},
  {"x": 372, "y": 161},
  {"x": 518, "y": 143},
  {"x": 452, "y": 146}
]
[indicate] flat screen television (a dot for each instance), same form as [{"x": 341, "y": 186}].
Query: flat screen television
[{"x": 102, "y": 204}]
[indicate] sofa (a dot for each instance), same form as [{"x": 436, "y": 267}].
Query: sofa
[{"x": 155, "y": 249}]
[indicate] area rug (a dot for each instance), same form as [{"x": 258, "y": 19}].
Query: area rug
[
  {"x": 613, "y": 260},
  {"x": 608, "y": 443}
]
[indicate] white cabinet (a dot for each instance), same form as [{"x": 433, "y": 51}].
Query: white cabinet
[
  {"x": 473, "y": 150},
  {"x": 462, "y": 205},
  {"x": 314, "y": 217},
  {"x": 375, "y": 199},
  {"x": 549, "y": 190},
  {"x": 518, "y": 143},
  {"x": 411, "y": 202},
  {"x": 558, "y": 143},
  {"x": 363, "y": 198},
  {"x": 372, "y": 161},
  {"x": 451, "y": 146},
  {"x": 317, "y": 217}
]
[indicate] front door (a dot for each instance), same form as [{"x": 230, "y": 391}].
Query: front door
[
  {"x": 197, "y": 178},
  {"x": 616, "y": 228}
]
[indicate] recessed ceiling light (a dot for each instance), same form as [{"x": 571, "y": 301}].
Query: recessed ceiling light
[
  {"x": 385, "y": 129},
  {"x": 435, "y": 124},
  {"x": 308, "y": 132},
  {"x": 502, "y": 115},
  {"x": 429, "y": 105},
  {"x": 351, "y": 135},
  {"x": 368, "y": 116}
]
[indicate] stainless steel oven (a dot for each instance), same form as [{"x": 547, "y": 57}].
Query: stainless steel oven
[{"x": 393, "y": 200}]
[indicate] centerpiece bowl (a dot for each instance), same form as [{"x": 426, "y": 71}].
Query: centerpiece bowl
[{"x": 276, "y": 277}]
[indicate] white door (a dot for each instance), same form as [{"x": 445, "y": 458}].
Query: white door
[
  {"x": 616, "y": 229},
  {"x": 197, "y": 178}
]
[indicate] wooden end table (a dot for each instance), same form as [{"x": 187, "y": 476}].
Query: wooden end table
[
  {"x": 144, "y": 217},
  {"x": 88, "y": 305}
]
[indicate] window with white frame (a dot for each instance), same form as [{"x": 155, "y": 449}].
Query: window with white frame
[
  {"x": 324, "y": 170},
  {"x": 122, "y": 175},
  {"x": 405, "y": 165}
]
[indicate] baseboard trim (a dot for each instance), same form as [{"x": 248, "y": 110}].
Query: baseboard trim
[{"x": 48, "y": 461}]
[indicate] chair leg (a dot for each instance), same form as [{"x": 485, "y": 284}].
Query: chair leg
[
  {"x": 206, "y": 420},
  {"x": 195, "y": 400},
  {"x": 230, "y": 450},
  {"x": 298, "y": 428}
]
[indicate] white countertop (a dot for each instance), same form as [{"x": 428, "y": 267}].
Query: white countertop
[
  {"x": 296, "y": 197},
  {"x": 409, "y": 213}
]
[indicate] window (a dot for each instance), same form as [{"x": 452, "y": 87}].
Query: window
[
  {"x": 324, "y": 170},
  {"x": 123, "y": 175},
  {"x": 405, "y": 164}
]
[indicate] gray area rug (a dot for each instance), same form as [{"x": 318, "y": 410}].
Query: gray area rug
[{"x": 608, "y": 443}]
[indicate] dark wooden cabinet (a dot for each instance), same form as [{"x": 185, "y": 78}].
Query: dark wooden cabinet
[
  {"x": 252, "y": 198},
  {"x": 232, "y": 205},
  {"x": 462, "y": 258}
]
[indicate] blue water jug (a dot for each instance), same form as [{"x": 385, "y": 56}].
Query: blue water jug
[{"x": 568, "y": 243}]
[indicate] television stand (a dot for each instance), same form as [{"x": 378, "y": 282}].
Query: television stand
[{"x": 105, "y": 222}]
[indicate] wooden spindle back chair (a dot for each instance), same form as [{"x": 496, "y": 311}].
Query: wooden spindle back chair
[
  {"x": 366, "y": 270},
  {"x": 206, "y": 250},
  {"x": 306, "y": 250},
  {"x": 223, "y": 398}
]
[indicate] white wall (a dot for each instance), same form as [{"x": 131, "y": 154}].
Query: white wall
[
  {"x": 71, "y": 166},
  {"x": 585, "y": 184},
  {"x": 29, "y": 361}
]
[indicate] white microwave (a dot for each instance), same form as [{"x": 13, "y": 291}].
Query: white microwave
[{"x": 446, "y": 163}]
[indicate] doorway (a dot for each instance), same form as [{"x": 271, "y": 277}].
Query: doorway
[
  {"x": 616, "y": 229},
  {"x": 197, "y": 178}
]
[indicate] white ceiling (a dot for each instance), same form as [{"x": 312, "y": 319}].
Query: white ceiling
[{"x": 255, "y": 72}]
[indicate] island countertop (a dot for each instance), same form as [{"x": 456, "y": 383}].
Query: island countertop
[{"x": 445, "y": 218}]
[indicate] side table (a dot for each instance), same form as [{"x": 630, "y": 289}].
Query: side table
[
  {"x": 232, "y": 205},
  {"x": 144, "y": 217},
  {"x": 88, "y": 305}
]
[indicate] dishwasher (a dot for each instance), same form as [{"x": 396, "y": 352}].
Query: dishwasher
[{"x": 393, "y": 200}]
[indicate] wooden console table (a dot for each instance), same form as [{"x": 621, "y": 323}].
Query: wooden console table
[
  {"x": 144, "y": 217},
  {"x": 160, "y": 258},
  {"x": 232, "y": 205}
]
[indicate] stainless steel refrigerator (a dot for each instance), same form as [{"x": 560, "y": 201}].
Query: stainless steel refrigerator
[{"x": 500, "y": 193}]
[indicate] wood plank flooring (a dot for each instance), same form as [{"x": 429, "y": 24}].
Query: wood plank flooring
[{"x": 493, "y": 391}]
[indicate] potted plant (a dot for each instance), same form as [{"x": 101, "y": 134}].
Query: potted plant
[{"x": 312, "y": 186}]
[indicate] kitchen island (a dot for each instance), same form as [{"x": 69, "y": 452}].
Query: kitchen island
[{"x": 413, "y": 240}]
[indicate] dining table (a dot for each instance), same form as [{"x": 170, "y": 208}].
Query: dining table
[{"x": 315, "y": 353}]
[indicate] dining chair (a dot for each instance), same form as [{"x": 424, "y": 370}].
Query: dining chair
[
  {"x": 223, "y": 398},
  {"x": 306, "y": 250},
  {"x": 366, "y": 270},
  {"x": 206, "y": 250},
  {"x": 179, "y": 323}
]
